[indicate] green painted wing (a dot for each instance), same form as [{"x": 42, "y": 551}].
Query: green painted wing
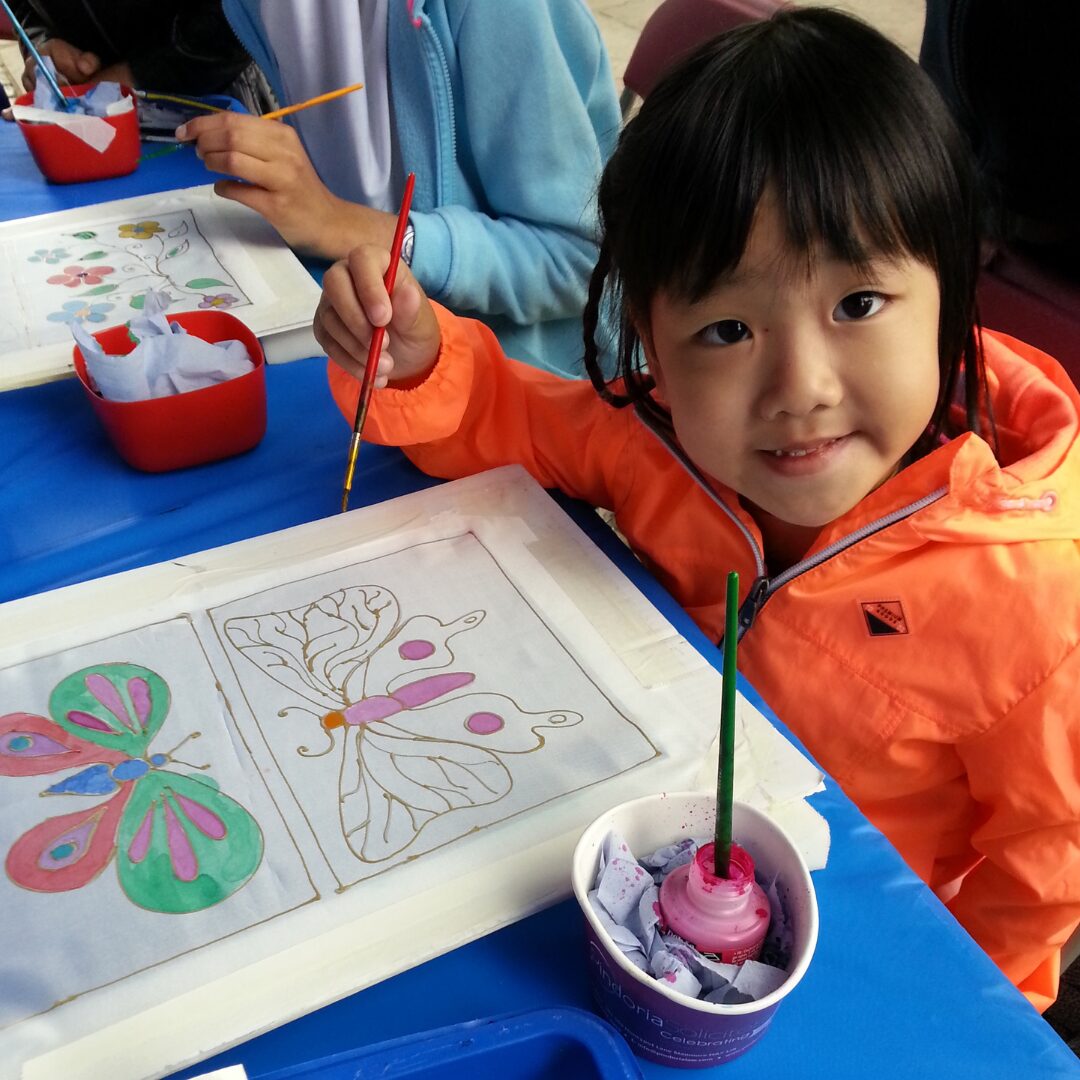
[
  {"x": 182, "y": 845},
  {"x": 120, "y": 706}
]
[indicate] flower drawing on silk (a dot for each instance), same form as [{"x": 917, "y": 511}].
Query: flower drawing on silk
[
  {"x": 142, "y": 230},
  {"x": 49, "y": 255},
  {"x": 79, "y": 311},
  {"x": 74, "y": 276},
  {"x": 221, "y": 300}
]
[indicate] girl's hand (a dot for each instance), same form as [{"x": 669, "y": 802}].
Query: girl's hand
[
  {"x": 354, "y": 301},
  {"x": 275, "y": 178},
  {"x": 72, "y": 64}
]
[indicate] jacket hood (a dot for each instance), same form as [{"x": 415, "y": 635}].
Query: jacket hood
[{"x": 1033, "y": 491}]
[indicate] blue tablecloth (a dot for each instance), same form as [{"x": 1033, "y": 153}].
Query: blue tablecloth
[{"x": 896, "y": 988}]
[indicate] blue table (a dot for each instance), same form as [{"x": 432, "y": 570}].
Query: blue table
[{"x": 896, "y": 987}]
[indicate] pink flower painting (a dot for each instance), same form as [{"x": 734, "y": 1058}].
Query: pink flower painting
[{"x": 74, "y": 276}]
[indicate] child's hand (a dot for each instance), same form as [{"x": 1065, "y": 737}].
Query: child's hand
[
  {"x": 72, "y": 64},
  {"x": 354, "y": 301},
  {"x": 275, "y": 178}
]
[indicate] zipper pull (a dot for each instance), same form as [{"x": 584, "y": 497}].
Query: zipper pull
[{"x": 750, "y": 607}]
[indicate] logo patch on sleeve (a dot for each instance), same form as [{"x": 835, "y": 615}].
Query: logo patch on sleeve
[{"x": 884, "y": 618}]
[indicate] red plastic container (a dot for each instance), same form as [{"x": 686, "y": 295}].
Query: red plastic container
[
  {"x": 194, "y": 427},
  {"x": 64, "y": 158}
]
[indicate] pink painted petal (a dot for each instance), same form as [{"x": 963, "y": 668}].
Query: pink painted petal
[
  {"x": 140, "y": 842},
  {"x": 428, "y": 689},
  {"x": 185, "y": 865},
  {"x": 88, "y": 720},
  {"x": 205, "y": 820},
  {"x": 108, "y": 695},
  {"x": 370, "y": 709},
  {"x": 139, "y": 689}
]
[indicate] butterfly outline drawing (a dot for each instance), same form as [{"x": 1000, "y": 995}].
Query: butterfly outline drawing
[
  {"x": 417, "y": 743},
  {"x": 181, "y": 845}
]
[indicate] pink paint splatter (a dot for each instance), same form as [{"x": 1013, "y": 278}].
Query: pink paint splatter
[
  {"x": 414, "y": 19},
  {"x": 670, "y": 976}
]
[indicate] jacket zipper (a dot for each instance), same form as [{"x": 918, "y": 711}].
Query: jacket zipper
[
  {"x": 762, "y": 588},
  {"x": 435, "y": 47}
]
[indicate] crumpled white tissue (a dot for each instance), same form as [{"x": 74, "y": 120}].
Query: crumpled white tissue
[
  {"x": 626, "y": 900},
  {"x": 167, "y": 360},
  {"x": 86, "y": 119}
]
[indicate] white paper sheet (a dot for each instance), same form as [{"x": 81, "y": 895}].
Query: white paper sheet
[
  {"x": 93, "y": 264},
  {"x": 468, "y": 838}
]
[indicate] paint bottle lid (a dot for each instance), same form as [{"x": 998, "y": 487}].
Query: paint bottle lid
[{"x": 724, "y": 917}]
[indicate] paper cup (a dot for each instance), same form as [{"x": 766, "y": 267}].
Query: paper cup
[{"x": 658, "y": 1023}]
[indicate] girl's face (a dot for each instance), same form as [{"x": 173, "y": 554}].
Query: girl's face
[{"x": 800, "y": 390}]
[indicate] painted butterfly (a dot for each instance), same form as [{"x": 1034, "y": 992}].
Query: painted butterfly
[
  {"x": 414, "y": 749},
  {"x": 180, "y": 844}
]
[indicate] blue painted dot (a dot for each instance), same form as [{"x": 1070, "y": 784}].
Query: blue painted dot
[
  {"x": 62, "y": 851},
  {"x": 157, "y": 760},
  {"x": 20, "y": 743}
]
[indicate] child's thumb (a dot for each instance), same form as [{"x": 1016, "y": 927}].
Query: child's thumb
[{"x": 87, "y": 63}]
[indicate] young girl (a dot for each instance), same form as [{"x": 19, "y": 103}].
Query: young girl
[{"x": 789, "y": 238}]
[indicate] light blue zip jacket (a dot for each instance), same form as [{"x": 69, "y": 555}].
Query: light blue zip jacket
[{"x": 506, "y": 111}]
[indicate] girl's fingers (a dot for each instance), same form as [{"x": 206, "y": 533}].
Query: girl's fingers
[
  {"x": 243, "y": 166},
  {"x": 345, "y": 338},
  {"x": 230, "y": 132},
  {"x": 356, "y": 292},
  {"x": 342, "y": 348},
  {"x": 367, "y": 268},
  {"x": 336, "y": 352}
]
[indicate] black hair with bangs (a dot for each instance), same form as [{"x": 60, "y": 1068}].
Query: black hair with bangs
[{"x": 854, "y": 143}]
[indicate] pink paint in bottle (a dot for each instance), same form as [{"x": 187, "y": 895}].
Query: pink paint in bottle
[{"x": 724, "y": 918}]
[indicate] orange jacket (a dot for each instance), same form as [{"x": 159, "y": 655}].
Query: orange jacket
[{"x": 925, "y": 650}]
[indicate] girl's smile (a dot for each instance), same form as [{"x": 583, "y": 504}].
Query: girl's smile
[
  {"x": 800, "y": 383},
  {"x": 802, "y": 459}
]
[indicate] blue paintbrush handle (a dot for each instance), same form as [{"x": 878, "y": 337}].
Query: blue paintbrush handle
[{"x": 65, "y": 103}]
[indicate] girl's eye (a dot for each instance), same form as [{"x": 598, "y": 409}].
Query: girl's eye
[
  {"x": 859, "y": 305},
  {"x": 725, "y": 332}
]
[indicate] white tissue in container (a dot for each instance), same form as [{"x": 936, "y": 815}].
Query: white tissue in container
[
  {"x": 627, "y": 901},
  {"x": 102, "y": 99},
  {"x": 167, "y": 360},
  {"x": 87, "y": 117}
]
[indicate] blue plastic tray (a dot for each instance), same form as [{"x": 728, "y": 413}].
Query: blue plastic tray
[{"x": 567, "y": 1043}]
